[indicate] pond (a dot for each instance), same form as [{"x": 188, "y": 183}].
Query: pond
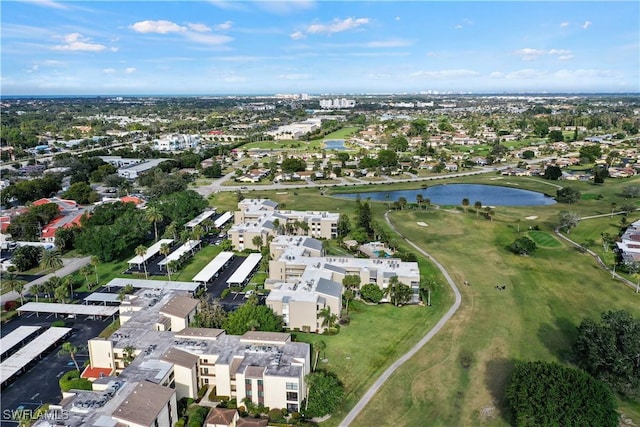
[
  {"x": 334, "y": 144},
  {"x": 452, "y": 194}
]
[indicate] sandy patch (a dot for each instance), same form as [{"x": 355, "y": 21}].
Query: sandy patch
[
  {"x": 422, "y": 224},
  {"x": 283, "y": 192},
  {"x": 498, "y": 177},
  {"x": 532, "y": 217}
]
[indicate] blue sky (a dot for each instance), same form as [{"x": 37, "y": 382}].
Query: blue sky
[{"x": 264, "y": 47}]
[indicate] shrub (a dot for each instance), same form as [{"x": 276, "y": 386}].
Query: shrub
[
  {"x": 276, "y": 415},
  {"x": 10, "y": 305},
  {"x": 58, "y": 324},
  {"x": 202, "y": 391},
  {"x": 225, "y": 293},
  {"x": 71, "y": 380},
  {"x": 213, "y": 395},
  {"x": 179, "y": 423}
]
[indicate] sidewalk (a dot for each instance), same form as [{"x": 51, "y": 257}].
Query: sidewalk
[{"x": 70, "y": 265}]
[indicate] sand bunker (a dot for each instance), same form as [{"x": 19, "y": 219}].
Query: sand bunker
[{"x": 421, "y": 224}]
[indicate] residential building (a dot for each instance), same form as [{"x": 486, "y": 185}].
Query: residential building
[
  {"x": 303, "y": 282},
  {"x": 261, "y": 217},
  {"x": 176, "y": 142}
]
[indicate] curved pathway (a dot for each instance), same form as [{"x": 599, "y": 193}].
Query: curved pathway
[{"x": 351, "y": 416}]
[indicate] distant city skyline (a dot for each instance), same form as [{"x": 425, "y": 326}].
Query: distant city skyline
[{"x": 266, "y": 47}]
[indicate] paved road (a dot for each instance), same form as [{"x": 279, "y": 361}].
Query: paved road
[
  {"x": 70, "y": 265},
  {"x": 351, "y": 416}
]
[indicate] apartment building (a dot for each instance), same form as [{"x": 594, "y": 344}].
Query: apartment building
[
  {"x": 303, "y": 281},
  {"x": 155, "y": 359},
  {"x": 261, "y": 217}
]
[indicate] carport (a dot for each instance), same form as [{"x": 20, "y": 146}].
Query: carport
[
  {"x": 102, "y": 297},
  {"x": 72, "y": 310}
]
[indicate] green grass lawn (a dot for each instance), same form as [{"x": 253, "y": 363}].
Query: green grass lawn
[
  {"x": 342, "y": 133},
  {"x": 459, "y": 377},
  {"x": 542, "y": 238}
]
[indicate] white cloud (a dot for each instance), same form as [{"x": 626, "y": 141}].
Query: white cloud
[
  {"x": 109, "y": 70},
  {"x": 496, "y": 75},
  {"x": 457, "y": 27},
  {"x": 337, "y": 26},
  {"x": 298, "y": 35},
  {"x": 397, "y": 18},
  {"x": 76, "y": 42},
  {"x": 389, "y": 43},
  {"x": 49, "y": 3},
  {"x": 200, "y": 28},
  {"x": 378, "y": 76},
  {"x": 529, "y": 54},
  {"x": 586, "y": 25},
  {"x": 280, "y": 7},
  {"x": 114, "y": 49},
  {"x": 130, "y": 70},
  {"x": 224, "y": 26},
  {"x": 159, "y": 27},
  {"x": 564, "y": 24},
  {"x": 33, "y": 69},
  {"x": 229, "y": 5},
  {"x": 295, "y": 76},
  {"x": 211, "y": 39},
  {"x": 445, "y": 74}
]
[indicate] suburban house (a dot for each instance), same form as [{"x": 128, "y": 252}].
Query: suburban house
[{"x": 70, "y": 215}]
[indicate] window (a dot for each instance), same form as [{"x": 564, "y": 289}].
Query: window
[
  {"x": 260, "y": 383},
  {"x": 292, "y": 396},
  {"x": 292, "y": 407},
  {"x": 292, "y": 386},
  {"x": 247, "y": 382},
  {"x": 249, "y": 393}
]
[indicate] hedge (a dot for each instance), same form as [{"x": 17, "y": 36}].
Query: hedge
[{"x": 72, "y": 381}]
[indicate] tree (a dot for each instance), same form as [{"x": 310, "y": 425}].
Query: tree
[
  {"x": 631, "y": 191},
  {"x": 16, "y": 285},
  {"x": 325, "y": 394},
  {"x": 402, "y": 201},
  {"x": 257, "y": 242},
  {"x": 318, "y": 347},
  {"x": 568, "y": 220},
  {"x": 94, "y": 262},
  {"x": 555, "y": 136},
  {"x": 154, "y": 216},
  {"x": 591, "y": 152},
  {"x": 172, "y": 266},
  {"x": 465, "y": 204},
  {"x": 371, "y": 292},
  {"x": 610, "y": 351},
  {"x": 128, "y": 355},
  {"x": 522, "y": 246},
  {"x": 419, "y": 200},
  {"x": 398, "y": 144},
  {"x": 477, "y": 206},
  {"x": 387, "y": 158},
  {"x": 61, "y": 293},
  {"x": 211, "y": 314},
  {"x": 82, "y": 193},
  {"x": 552, "y": 173},
  {"x": 51, "y": 260},
  {"x": 165, "y": 250},
  {"x": 398, "y": 292},
  {"x": 344, "y": 226},
  {"x": 251, "y": 316},
  {"x": 544, "y": 394},
  {"x": 71, "y": 350},
  {"x": 567, "y": 195},
  {"x": 328, "y": 319},
  {"x": 141, "y": 251}
]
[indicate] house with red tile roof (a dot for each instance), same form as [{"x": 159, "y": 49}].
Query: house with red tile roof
[{"x": 70, "y": 215}]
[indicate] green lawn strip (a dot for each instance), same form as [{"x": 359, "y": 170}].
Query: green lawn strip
[
  {"x": 542, "y": 238},
  {"x": 195, "y": 264},
  {"x": 535, "y": 317},
  {"x": 343, "y": 133}
]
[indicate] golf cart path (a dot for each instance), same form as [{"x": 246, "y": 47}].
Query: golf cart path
[{"x": 366, "y": 398}]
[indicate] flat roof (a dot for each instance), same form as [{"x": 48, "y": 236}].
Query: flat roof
[
  {"x": 151, "y": 252},
  {"x": 25, "y": 355},
  {"x": 16, "y": 337},
  {"x": 245, "y": 269},
  {"x": 197, "y": 220},
  {"x": 50, "y": 307},
  {"x": 213, "y": 267},
  {"x": 154, "y": 284},
  {"x": 188, "y": 246},
  {"x": 223, "y": 219},
  {"x": 102, "y": 297}
]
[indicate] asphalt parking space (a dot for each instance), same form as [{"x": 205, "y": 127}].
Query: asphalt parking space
[{"x": 39, "y": 384}]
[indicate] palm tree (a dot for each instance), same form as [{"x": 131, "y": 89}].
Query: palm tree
[
  {"x": 95, "y": 261},
  {"x": 328, "y": 319},
  {"x": 257, "y": 242},
  {"x": 165, "y": 250},
  {"x": 427, "y": 203},
  {"x": 51, "y": 260},
  {"x": 61, "y": 293},
  {"x": 465, "y": 203},
  {"x": 318, "y": 347},
  {"x": 172, "y": 230},
  {"x": 153, "y": 214},
  {"x": 419, "y": 200},
  {"x": 69, "y": 281},
  {"x": 141, "y": 251},
  {"x": 86, "y": 271},
  {"x": 128, "y": 355},
  {"x": 276, "y": 225},
  {"x": 197, "y": 232},
  {"x": 172, "y": 267},
  {"x": 71, "y": 350},
  {"x": 402, "y": 201},
  {"x": 35, "y": 290},
  {"x": 16, "y": 285},
  {"x": 477, "y": 205}
]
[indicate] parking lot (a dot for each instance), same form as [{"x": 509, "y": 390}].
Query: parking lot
[{"x": 39, "y": 384}]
